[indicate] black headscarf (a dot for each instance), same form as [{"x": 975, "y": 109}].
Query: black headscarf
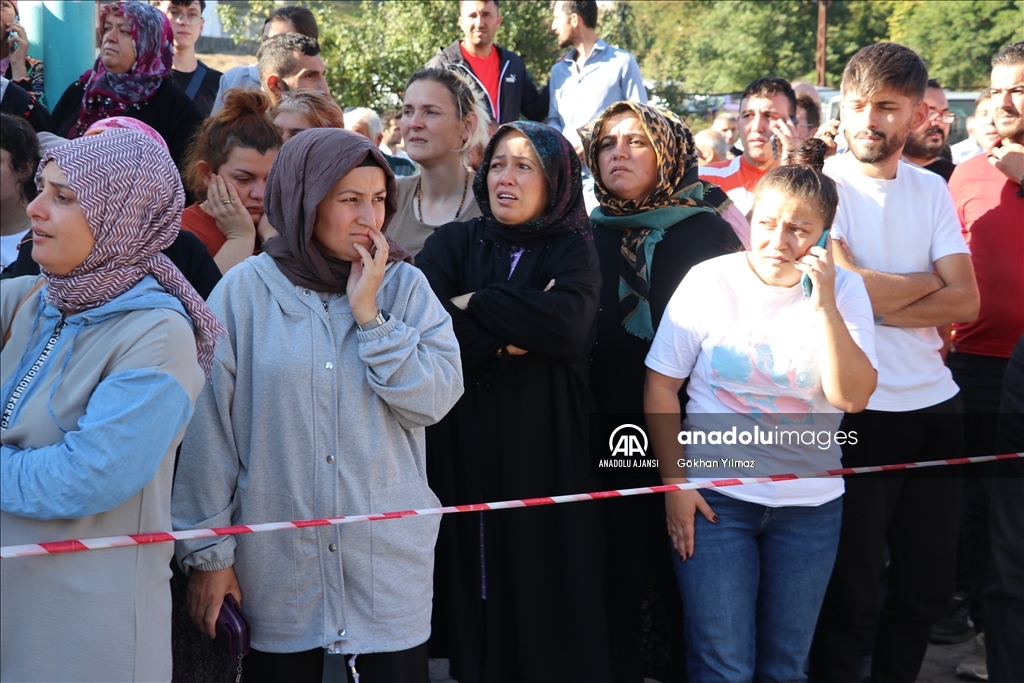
[
  {"x": 565, "y": 211},
  {"x": 306, "y": 169}
]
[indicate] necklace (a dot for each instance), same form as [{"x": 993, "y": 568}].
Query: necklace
[
  {"x": 24, "y": 225},
  {"x": 419, "y": 198}
]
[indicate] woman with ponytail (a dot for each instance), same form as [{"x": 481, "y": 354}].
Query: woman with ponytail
[
  {"x": 442, "y": 121},
  {"x": 227, "y": 168},
  {"x": 775, "y": 341}
]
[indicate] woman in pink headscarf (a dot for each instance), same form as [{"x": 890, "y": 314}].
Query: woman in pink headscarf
[
  {"x": 131, "y": 77},
  {"x": 127, "y": 123}
]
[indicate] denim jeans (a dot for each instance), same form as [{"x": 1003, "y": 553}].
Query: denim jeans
[{"x": 753, "y": 588}]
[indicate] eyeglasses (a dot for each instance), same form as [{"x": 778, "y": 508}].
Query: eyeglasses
[
  {"x": 191, "y": 19},
  {"x": 945, "y": 117}
]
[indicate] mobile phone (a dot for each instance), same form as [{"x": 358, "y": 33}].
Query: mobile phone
[
  {"x": 14, "y": 34},
  {"x": 776, "y": 151},
  {"x": 805, "y": 281}
]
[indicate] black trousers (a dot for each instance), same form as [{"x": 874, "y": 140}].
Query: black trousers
[
  {"x": 980, "y": 379},
  {"x": 405, "y": 666},
  {"x": 1003, "y": 599},
  {"x": 917, "y": 516},
  {"x": 635, "y": 527}
]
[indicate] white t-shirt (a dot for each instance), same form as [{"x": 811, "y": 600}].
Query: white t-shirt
[
  {"x": 750, "y": 351},
  {"x": 903, "y": 225},
  {"x": 9, "y": 247}
]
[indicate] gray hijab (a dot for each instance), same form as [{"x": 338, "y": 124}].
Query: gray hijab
[{"x": 306, "y": 169}]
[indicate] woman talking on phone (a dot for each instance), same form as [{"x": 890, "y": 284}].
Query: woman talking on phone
[{"x": 762, "y": 349}]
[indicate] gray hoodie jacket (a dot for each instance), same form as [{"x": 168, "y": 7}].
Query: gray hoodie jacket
[{"x": 307, "y": 417}]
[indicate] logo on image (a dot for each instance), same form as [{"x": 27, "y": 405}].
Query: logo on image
[{"x": 626, "y": 440}]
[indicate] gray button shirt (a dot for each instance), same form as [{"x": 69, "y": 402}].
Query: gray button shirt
[{"x": 608, "y": 75}]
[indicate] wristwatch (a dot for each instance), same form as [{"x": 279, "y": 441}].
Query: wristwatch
[{"x": 382, "y": 317}]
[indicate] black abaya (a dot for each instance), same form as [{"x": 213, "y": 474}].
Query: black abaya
[
  {"x": 519, "y": 431},
  {"x": 637, "y": 538}
]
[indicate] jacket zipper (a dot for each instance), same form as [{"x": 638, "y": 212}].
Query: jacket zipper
[
  {"x": 501, "y": 84},
  {"x": 494, "y": 106},
  {"x": 31, "y": 374}
]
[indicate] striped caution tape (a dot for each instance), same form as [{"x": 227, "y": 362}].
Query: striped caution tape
[{"x": 53, "y": 547}]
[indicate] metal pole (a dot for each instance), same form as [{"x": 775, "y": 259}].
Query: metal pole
[
  {"x": 819, "y": 62},
  {"x": 68, "y": 42}
]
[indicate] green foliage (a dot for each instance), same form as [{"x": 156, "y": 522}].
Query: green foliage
[
  {"x": 722, "y": 46},
  {"x": 243, "y": 19},
  {"x": 371, "y": 47},
  {"x": 394, "y": 38},
  {"x": 958, "y": 39},
  {"x": 851, "y": 26}
]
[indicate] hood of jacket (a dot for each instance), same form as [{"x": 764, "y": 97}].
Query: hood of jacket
[{"x": 146, "y": 294}]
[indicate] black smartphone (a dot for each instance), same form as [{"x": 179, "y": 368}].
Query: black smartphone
[
  {"x": 776, "y": 148},
  {"x": 805, "y": 281}
]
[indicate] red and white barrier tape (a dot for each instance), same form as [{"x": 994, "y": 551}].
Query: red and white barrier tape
[{"x": 53, "y": 547}]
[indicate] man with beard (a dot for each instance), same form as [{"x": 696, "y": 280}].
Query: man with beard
[
  {"x": 925, "y": 145},
  {"x": 591, "y": 76},
  {"x": 987, "y": 193},
  {"x": 896, "y": 227}
]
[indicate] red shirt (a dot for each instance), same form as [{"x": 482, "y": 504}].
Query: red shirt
[
  {"x": 203, "y": 226},
  {"x": 992, "y": 216},
  {"x": 488, "y": 71},
  {"x": 737, "y": 177}
]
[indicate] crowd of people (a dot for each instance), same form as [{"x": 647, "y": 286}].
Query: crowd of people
[{"x": 227, "y": 301}]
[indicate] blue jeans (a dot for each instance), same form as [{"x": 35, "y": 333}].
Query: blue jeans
[{"x": 753, "y": 588}]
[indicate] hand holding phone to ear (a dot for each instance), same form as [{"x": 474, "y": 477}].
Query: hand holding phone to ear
[
  {"x": 819, "y": 274},
  {"x": 17, "y": 45},
  {"x": 784, "y": 137}
]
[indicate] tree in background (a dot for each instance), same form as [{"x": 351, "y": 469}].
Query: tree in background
[
  {"x": 685, "y": 47},
  {"x": 957, "y": 39},
  {"x": 243, "y": 19},
  {"x": 371, "y": 48},
  {"x": 720, "y": 47}
]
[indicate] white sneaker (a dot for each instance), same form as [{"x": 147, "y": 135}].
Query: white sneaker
[{"x": 974, "y": 667}]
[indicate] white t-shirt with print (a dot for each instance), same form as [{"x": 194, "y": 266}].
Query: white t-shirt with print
[
  {"x": 750, "y": 351},
  {"x": 903, "y": 225}
]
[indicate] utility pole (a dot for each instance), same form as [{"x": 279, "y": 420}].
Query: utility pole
[{"x": 819, "y": 62}]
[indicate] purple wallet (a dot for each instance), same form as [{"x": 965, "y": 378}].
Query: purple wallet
[{"x": 232, "y": 630}]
